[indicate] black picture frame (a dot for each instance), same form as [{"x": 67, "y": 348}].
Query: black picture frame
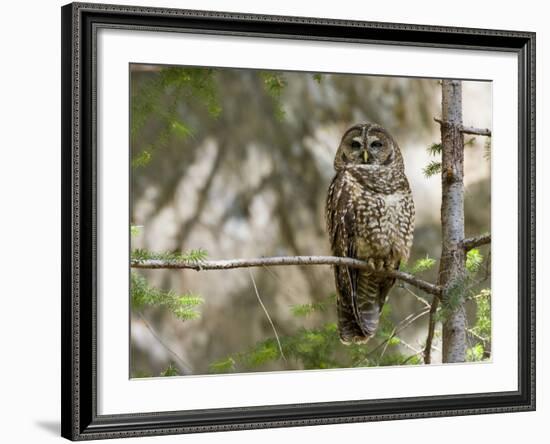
[{"x": 79, "y": 395}]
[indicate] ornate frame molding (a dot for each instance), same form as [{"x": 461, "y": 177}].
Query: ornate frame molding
[{"x": 80, "y": 22}]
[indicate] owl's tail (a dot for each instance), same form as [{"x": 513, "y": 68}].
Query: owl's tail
[{"x": 369, "y": 298}]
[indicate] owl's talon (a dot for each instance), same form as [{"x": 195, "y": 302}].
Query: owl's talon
[
  {"x": 380, "y": 265},
  {"x": 371, "y": 264}
]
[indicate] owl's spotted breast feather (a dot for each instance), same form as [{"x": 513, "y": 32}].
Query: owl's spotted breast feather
[{"x": 382, "y": 220}]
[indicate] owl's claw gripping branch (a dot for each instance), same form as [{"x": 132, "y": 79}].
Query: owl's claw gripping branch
[{"x": 428, "y": 287}]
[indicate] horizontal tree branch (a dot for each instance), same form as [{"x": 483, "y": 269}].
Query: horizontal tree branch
[
  {"x": 285, "y": 260},
  {"x": 476, "y": 131},
  {"x": 473, "y": 242},
  {"x": 469, "y": 129}
]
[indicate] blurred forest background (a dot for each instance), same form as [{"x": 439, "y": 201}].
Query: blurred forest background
[{"x": 230, "y": 163}]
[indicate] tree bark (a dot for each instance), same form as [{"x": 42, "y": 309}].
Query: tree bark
[{"x": 452, "y": 265}]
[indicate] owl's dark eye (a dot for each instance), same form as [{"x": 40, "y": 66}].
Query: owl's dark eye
[
  {"x": 376, "y": 144},
  {"x": 355, "y": 145}
]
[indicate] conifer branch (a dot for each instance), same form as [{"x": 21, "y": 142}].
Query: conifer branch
[{"x": 227, "y": 264}]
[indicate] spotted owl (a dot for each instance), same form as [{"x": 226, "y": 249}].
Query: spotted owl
[{"x": 370, "y": 216}]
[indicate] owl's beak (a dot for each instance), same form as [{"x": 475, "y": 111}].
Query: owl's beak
[{"x": 365, "y": 155}]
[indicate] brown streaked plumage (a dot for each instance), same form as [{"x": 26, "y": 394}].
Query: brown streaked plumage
[{"x": 370, "y": 216}]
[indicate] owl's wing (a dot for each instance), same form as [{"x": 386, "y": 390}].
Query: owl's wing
[
  {"x": 351, "y": 251},
  {"x": 341, "y": 227},
  {"x": 347, "y": 280},
  {"x": 361, "y": 294},
  {"x": 341, "y": 222}
]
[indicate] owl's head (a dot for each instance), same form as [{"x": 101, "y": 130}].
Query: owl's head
[{"x": 367, "y": 144}]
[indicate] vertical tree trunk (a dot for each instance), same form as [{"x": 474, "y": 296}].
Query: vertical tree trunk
[{"x": 452, "y": 265}]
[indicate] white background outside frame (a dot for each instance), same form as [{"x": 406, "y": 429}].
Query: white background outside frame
[{"x": 29, "y": 378}]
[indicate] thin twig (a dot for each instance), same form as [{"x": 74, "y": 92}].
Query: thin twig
[
  {"x": 475, "y": 335},
  {"x": 267, "y": 315},
  {"x": 285, "y": 260},
  {"x": 476, "y": 131},
  {"x": 473, "y": 285},
  {"x": 431, "y": 331},
  {"x": 403, "y": 324},
  {"x": 468, "y": 129},
  {"x": 410, "y": 347},
  {"x": 394, "y": 332},
  {"x": 485, "y": 277},
  {"x": 473, "y": 242},
  {"x": 467, "y": 327},
  {"x": 184, "y": 365},
  {"x": 420, "y": 299}
]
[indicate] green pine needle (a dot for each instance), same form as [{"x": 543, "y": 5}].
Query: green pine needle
[
  {"x": 181, "y": 129},
  {"x": 453, "y": 298},
  {"x": 482, "y": 327},
  {"x": 274, "y": 84},
  {"x": 157, "y": 104},
  {"x": 423, "y": 264},
  {"x": 487, "y": 149},
  {"x": 226, "y": 365},
  {"x": 470, "y": 141},
  {"x": 135, "y": 229},
  {"x": 475, "y": 353},
  {"x": 171, "y": 370},
  {"x": 141, "y": 159},
  {"x": 194, "y": 256},
  {"x": 434, "y": 149},
  {"x": 184, "y": 307},
  {"x": 303, "y": 310},
  {"x": 432, "y": 169},
  {"x": 320, "y": 348},
  {"x": 474, "y": 259}
]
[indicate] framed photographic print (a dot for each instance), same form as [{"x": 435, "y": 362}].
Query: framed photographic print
[{"x": 281, "y": 221}]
